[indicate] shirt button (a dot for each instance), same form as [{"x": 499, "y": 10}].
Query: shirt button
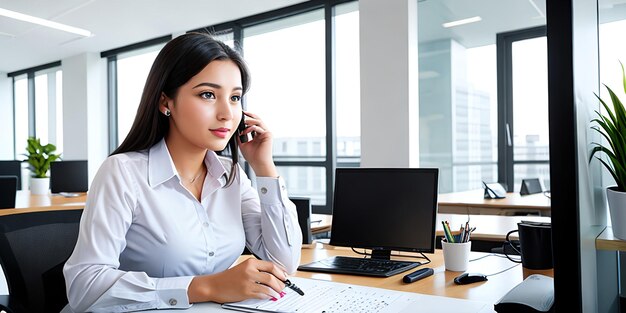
[
  {"x": 173, "y": 302},
  {"x": 211, "y": 253},
  {"x": 282, "y": 187},
  {"x": 205, "y": 224},
  {"x": 263, "y": 190}
]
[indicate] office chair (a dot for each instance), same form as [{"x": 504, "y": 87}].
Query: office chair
[
  {"x": 303, "y": 207},
  {"x": 34, "y": 246},
  {"x": 8, "y": 191},
  {"x": 12, "y": 168},
  {"x": 68, "y": 176}
]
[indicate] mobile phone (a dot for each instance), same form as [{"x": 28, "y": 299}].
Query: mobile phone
[{"x": 241, "y": 128}]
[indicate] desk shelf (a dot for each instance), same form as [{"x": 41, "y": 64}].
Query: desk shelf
[{"x": 606, "y": 241}]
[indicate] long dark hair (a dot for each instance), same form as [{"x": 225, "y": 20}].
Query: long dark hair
[{"x": 181, "y": 59}]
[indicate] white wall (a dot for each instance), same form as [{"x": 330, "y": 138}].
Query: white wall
[
  {"x": 6, "y": 118},
  {"x": 389, "y": 83}
]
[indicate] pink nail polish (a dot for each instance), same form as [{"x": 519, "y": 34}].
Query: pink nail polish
[
  {"x": 273, "y": 299},
  {"x": 282, "y": 294}
]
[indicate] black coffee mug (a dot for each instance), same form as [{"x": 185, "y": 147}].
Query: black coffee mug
[{"x": 535, "y": 244}]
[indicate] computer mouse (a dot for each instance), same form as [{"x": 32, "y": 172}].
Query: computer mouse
[{"x": 469, "y": 278}]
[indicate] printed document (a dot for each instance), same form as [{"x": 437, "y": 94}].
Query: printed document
[{"x": 331, "y": 297}]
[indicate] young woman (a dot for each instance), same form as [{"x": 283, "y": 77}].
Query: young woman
[{"x": 166, "y": 216}]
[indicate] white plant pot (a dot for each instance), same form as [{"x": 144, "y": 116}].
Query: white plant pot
[
  {"x": 617, "y": 209},
  {"x": 39, "y": 186}
]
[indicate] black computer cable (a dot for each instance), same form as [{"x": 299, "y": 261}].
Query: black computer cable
[{"x": 500, "y": 256}]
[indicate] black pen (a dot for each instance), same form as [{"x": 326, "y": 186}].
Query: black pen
[
  {"x": 287, "y": 282},
  {"x": 293, "y": 287}
]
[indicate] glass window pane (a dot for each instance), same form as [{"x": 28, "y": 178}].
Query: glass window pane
[
  {"x": 612, "y": 50},
  {"x": 475, "y": 173},
  {"x": 286, "y": 59},
  {"x": 20, "y": 89},
  {"x": 524, "y": 171},
  {"x": 306, "y": 182},
  {"x": 458, "y": 86},
  {"x": 132, "y": 72},
  {"x": 41, "y": 107},
  {"x": 347, "y": 82},
  {"x": 530, "y": 101},
  {"x": 457, "y": 96}
]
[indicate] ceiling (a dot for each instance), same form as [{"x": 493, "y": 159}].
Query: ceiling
[
  {"x": 117, "y": 23},
  {"x": 114, "y": 23}
]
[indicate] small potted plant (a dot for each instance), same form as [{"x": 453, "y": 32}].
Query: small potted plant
[
  {"x": 612, "y": 127},
  {"x": 39, "y": 159}
]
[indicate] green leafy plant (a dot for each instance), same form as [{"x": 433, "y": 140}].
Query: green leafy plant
[
  {"x": 613, "y": 128},
  {"x": 40, "y": 157}
]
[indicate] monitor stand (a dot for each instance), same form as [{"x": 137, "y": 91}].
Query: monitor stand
[{"x": 381, "y": 254}]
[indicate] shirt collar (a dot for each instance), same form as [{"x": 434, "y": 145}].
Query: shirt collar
[{"x": 161, "y": 167}]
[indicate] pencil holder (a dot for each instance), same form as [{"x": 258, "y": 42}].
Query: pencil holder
[{"x": 456, "y": 255}]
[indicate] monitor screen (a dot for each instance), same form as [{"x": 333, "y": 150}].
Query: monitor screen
[
  {"x": 69, "y": 176},
  {"x": 385, "y": 209},
  {"x": 12, "y": 168}
]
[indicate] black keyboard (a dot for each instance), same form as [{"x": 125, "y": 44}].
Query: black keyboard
[{"x": 359, "y": 266}]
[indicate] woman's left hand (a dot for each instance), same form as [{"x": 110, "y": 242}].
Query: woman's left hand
[{"x": 258, "y": 152}]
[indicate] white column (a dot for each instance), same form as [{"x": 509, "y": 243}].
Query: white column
[
  {"x": 85, "y": 129},
  {"x": 389, "y": 83}
]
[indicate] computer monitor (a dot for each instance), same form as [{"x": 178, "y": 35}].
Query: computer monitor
[
  {"x": 8, "y": 191},
  {"x": 12, "y": 168},
  {"x": 385, "y": 209},
  {"x": 68, "y": 176}
]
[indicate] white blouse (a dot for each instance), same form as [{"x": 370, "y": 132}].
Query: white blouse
[{"x": 143, "y": 236}]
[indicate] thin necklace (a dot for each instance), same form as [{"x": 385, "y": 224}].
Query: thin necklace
[{"x": 200, "y": 173}]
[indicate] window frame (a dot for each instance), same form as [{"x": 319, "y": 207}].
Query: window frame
[
  {"x": 329, "y": 162},
  {"x": 111, "y": 56},
  {"x": 30, "y": 83},
  {"x": 504, "y": 54}
]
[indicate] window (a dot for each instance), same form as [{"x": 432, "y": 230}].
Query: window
[
  {"x": 461, "y": 114},
  {"x": 38, "y": 106},
  {"x": 127, "y": 71},
  {"x": 524, "y": 145},
  {"x": 319, "y": 38},
  {"x": 132, "y": 72},
  {"x": 294, "y": 108},
  {"x": 347, "y": 84},
  {"x": 22, "y": 110}
]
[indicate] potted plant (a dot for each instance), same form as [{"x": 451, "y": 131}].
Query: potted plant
[
  {"x": 613, "y": 128},
  {"x": 39, "y": 159}
]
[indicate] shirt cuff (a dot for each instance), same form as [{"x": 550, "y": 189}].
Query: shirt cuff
[
  {"x": 272, "y": 190},
  {"x": 172, "y": 292}
]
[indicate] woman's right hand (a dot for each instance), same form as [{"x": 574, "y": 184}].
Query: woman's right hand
[{"x": 251, "y": 278}]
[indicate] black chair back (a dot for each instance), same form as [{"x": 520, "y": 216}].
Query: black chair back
[
  {"x": 68, "y": 176},
  {"x": 303, "y": 206},
  {"x": 8, "y": 191},
  {"x": 12, "y": 168},
  {"x": 33, "y": 249}
]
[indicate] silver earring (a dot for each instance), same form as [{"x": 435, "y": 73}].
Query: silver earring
[{"x": 167, "y": 112}]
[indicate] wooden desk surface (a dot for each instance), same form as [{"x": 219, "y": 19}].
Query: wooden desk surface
[
  {"x": 441, "y": 283},
  {"x": 606, "y": 241},
  {"x": 473, "y": 199},
  {"x": 25, "y": 200}
]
